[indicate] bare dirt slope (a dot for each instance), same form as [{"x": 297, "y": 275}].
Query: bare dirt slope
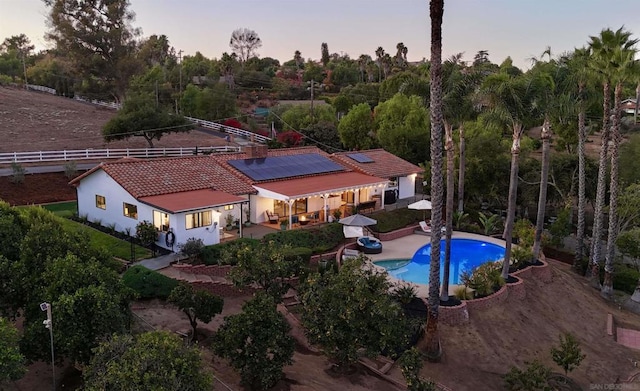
[
  {"x": 34, "y": 121},
  {"x": 476, "y": 356}
]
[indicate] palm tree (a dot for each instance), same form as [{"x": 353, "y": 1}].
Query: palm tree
[
  {"x": 387, "y": 63},
  {"x": 509, "y": 99},
  {"x": 431, "y": 344},
  {"x": 379, "y": 55},
  {"x": 400, "y": 56},
  {"x": 363, "y": 61},
  {"x": 545, "y": 136},
  {"x": 625, "y": 66},
  {"x": 603, "y": 48},
  {"x": 580, "y": 74}
]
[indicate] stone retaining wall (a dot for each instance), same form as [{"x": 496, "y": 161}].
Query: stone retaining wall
[
  {"x": 454, "y": 315},
  {"x": 460, "y": 315}
]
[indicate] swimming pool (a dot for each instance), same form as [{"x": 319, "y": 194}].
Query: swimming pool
[{"x": 466, "y": 254}]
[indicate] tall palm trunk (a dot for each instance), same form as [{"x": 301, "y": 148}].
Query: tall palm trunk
[
  {"x": 513, "y": 192},
  {"x": 461, "y": 169},
  {"x": 542, "y": 198},
  {"x": 582, "y": 137},
  {"x": 607, "y": 285},
  {"x": 448, "y": 147},
  {"x": 431, "y": 341},
  {"x": 601, "y": 189},
  {"x": 635, "y": 112}
]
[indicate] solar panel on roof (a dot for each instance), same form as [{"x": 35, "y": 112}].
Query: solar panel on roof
[
  {"x": 360, "y": 157},
  {"x": 278, "y": 167}
]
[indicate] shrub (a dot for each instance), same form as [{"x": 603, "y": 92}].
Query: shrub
[
  {"x": 410, "y": 365},
  {"x": 225, "y": 253},
  {"x": 625, "y": 278},
  {"x": 70, "y": 169},
  {"x": 521, "y": 257},
  {"x": 532, "y": 378},
  {"x": 396, "y": 219},
  {"x": 525, "y": 232},
  {"x": 462, "y": 293},
  {"x": 298, "y": 254},
  {"x": 18, "y": 172},
  {"x": 146, "y": 232},
  {"x": 192, "y": 248},
  {"x": 148, "y": 283},
  {"x": 319, "y": 239},
  {"x": 484, "y": 279},
  {"x": 560, "y": 228},
  {"x": 404, "y": 292},
  {"x": 568, "y": 354},
  {"x": 489, "y": 223}
]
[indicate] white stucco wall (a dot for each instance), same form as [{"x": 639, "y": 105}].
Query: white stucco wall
[
  {"x": 406, "y": 186},
  {"x": 99, "y": 183}
]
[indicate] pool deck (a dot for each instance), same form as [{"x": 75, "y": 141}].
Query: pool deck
[{"x": 405, "y": 247}]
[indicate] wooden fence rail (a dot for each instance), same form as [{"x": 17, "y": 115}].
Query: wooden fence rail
[{"x": 97, "y": 154}]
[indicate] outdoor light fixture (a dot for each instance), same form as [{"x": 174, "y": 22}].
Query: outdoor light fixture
[{"x": 48, "y": 323}]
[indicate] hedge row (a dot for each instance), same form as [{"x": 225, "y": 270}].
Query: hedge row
[{"x": 148, "y": 284}]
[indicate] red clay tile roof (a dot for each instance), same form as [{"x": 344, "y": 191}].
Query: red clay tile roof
[
  {"x": 191, "y": 200},
  {"x": 302, "y": 187},
  {"x": 385, "y": 164},
  {"x": 144, "y": 178}
]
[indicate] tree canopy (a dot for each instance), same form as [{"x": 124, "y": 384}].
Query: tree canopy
[
  {"x": 244, "y": 42},
  {"x": 155, "y": 360}
]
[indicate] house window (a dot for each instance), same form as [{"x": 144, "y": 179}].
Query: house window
[
  {"x": 282, "y": 208},
  {"x": 130, "y": 210},
  {"x": 161, "y": 221},
  {"x": 228, "y": 207},
  {"x": 101, "y": 202},
  {"x": 393, "y": 182},
  {"x": 200, "y": 219},
  {"x": 348, "y": 197}
]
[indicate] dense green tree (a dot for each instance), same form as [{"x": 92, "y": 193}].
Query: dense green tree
[
  {"x": 196, "y": 304},
  {"x": 349, "y": 313},
  {"x": 140, "y": 116},
  {"x": 629, "y": 162},
  {"x": 20, "y": 48},
  {"x": 211, "y": 103},
  {"x": 356, "y": 129},
  {"x": 629, "y": 210},
  {"x": 361, "y": 93},
  {"x": 256, "y": 342},
  {"x": 267, "y": 267},
  {"x": 402, "y": 125},
  {"x": 99, "y": 39},
  {"x": 53, "y": 71},
  {"x": 297, "y": 117},
  {"x": 392, "y": 85},
  {"x": 11, "y": 360},
  {"x": 324, "y": 135},
  {"x": 324, "y": 49},
  {"x": 155, "y": 360},
  {"x": 628, "y": 243},
  {"x": 156, "y": 51}
]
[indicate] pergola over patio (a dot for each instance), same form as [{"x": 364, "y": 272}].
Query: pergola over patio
[{"x": 319, "y": 186}]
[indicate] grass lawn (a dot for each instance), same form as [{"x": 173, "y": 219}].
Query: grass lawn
[
  {"x": 62, "y": 209},
  {"x": 116, "y": 247}
]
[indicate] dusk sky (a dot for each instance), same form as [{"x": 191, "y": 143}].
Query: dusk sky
[{"x": 517, "y": 28}]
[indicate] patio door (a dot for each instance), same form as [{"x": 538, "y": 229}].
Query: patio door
[{"x": 282, "y": 208}]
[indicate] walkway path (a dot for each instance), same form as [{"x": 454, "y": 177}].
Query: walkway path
[{"x": 160, "y": 262}]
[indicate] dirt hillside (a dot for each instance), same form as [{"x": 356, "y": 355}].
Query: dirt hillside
[
  {"x": 477, "y": 355},
  {"x": 34, "y": 121}
]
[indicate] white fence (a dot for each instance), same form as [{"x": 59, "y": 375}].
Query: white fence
[
  {"x": 111, "y": 105},
  {"x": 231, "y": 130},
  {"x": 97, "y": 154},
  {"x": 41, "y": 89}
]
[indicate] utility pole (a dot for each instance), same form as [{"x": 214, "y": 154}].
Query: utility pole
[
  {"x": 179, "y": 85},
  {"x": 312, "y": 99},
  {"x": 48, "y": 323}
]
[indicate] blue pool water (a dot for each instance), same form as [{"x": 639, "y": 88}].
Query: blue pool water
[{"x": 466, "y": 254}]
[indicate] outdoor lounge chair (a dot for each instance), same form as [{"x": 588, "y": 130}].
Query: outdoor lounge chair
[
  {"x": 369, "y": 245},
  {"x": 348, "y": 253},
  {"x": 273, "y": 217},
  {"x": 426, "y": 228}
]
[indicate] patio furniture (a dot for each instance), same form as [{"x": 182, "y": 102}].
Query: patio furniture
[
  {"x": 367, "y": 206},
  {"x": 348, "y": 253},
  {"x": 426, "y": 228},
  {"x": 273, "y": 217},
  {"x": 369, "y": 245}
]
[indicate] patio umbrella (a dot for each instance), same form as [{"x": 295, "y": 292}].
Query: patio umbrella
[
  {"x": 354, "y": 223},
  {"x": 421, "y": 205},
  {"x": 358, "y": 220}
]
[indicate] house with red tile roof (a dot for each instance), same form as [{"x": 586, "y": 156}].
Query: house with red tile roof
[{"x": 192, "y": 197}]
